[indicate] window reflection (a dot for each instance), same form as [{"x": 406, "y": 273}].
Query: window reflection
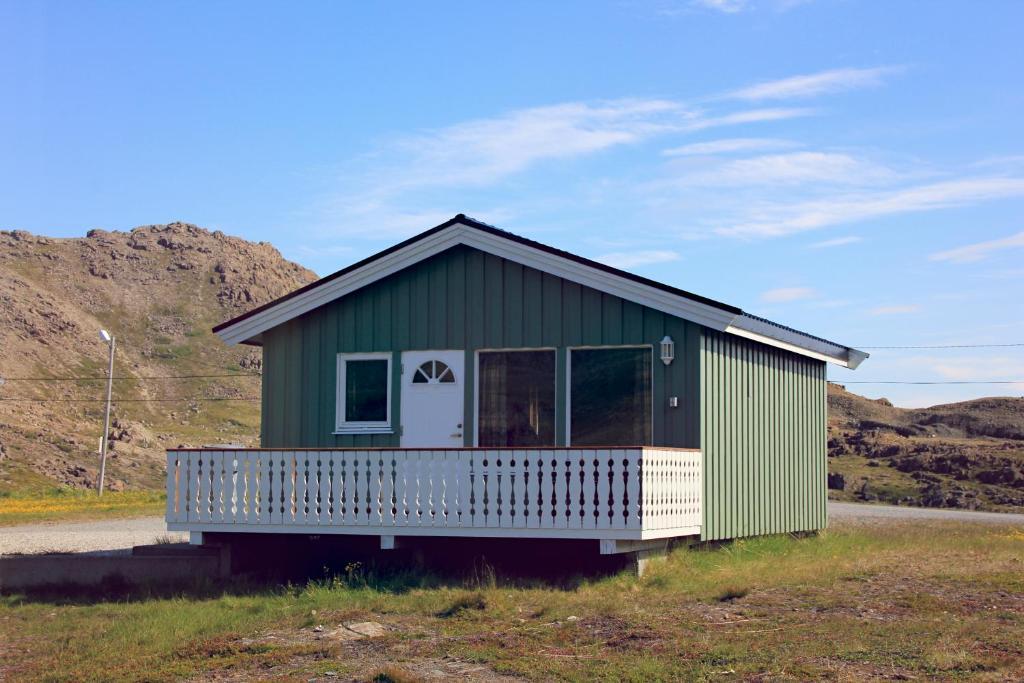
[
  {"x": 610, "y": 397},
  {"x": 517, "y": 398}
]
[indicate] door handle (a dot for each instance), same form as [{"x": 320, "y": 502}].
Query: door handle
[{"x": 456, "y": 435}]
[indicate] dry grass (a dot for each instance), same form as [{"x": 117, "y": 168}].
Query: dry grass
[
  {"x": 70, "y": 504},
  {"x": 907, "y": 601}
]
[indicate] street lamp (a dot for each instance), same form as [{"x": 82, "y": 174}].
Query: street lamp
[{"x": 109, "y": 340}]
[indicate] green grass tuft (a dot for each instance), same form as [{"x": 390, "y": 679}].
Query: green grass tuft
[{"x": 470, "y": 601}]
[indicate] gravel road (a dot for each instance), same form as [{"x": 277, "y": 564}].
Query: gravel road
[
  {"x": 864, "y": 511},
  {"x": 120, "y": 534},
  {"x": 69, "y": 537}
]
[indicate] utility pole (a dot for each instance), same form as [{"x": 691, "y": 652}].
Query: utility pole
[{"x": 105, "y": 336}]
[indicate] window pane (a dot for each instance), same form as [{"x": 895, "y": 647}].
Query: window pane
[
  {"x": 517, "y": 398},
  {"x": 610, "y": 394},
  {"x": 366, "y": 390}
]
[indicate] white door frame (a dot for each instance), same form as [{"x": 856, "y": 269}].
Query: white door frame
[{"x": 411, "y": 360}]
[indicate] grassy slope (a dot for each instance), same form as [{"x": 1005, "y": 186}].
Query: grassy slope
[
  {"x": 63, "y": 504},
  {"x": 905, "y": 601}
]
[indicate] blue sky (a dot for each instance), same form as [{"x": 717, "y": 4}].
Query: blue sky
[{"x": 853, "y": 169}]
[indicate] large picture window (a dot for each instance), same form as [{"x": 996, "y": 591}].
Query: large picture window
[
  {"x": 517, "y": 398},
  {"x": 364, "y": 393},
  {"x": 610, "y": 397}
]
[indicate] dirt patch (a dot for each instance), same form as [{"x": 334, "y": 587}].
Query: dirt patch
[{"x": 357, "y": 650}]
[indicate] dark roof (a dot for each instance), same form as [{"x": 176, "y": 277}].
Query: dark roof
[
  {"x": 766, "y": 321},
  {"x": 465, "y": 220}
]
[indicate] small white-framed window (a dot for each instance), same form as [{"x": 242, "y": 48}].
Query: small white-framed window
[{"x": 364, "y": 393}]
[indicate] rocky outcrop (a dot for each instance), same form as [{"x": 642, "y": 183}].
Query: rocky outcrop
[{"x": 965, "y": 455}]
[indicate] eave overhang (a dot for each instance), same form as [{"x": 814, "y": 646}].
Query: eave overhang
[{"x": 249, "y": 327}]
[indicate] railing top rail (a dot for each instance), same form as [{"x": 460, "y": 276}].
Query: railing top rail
[{"x": 437, "y": 448}]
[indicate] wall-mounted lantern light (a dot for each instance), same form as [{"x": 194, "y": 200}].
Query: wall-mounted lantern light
[{"x": 668, "y": 350}]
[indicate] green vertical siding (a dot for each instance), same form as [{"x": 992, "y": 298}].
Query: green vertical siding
[
  {"x": 758, "y": 413},
  {"x": 464, "y": 299},
  {"x": 762, "y": 415}
]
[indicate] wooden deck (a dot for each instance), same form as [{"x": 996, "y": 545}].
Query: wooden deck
[{"x": 610, "y": 494}]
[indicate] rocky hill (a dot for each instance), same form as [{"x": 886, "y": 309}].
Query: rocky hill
[
  {"x": 966, "y": 455},
  {"x": 158, "y": 289}
]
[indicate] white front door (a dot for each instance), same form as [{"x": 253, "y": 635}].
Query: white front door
[{"x": 432, "y": 394}]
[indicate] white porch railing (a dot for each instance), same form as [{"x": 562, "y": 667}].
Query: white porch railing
[{"x": 624, "y": 493}]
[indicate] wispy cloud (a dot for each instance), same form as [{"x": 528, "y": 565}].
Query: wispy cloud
[
  {"x": 810, "y": 85},
  {"x": 480, "y": 153},
  {"x": 998, "y": 369},
  {"x": 1002, "y": 274},
  {"x": 979, "y": 250},
  {"x": 791, "y": 168},
  {"x": 378, "y": 218},
  {"x": 970, "y": 368},
  {"x": 726, "y": 6},
  {"x": 748, "y": 116},
  {"x": 728, "y": 145},
  {"x": 483, "y": 151},
  {"x": 773, "y": 220},
  {"x": 832, "y": 303},
  {"x": 633, "y": 259},
  {"x": 787, "y": 294},
  {"x": 895, "y": 309},
  {"x": 734, "y": 6},
  {"x": 837, "y": 242}
]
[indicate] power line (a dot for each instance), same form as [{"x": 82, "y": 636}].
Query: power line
[
  {"x": 126, "y": 378},
  {"x": 127, "y": 400},
  {"x": 943, "y": 346},
  {"x": 998, "y": 381}
]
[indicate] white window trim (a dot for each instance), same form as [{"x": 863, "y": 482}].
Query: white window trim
[
  {"x": 343, "y": 427},
  {"x": 476, "y": 385},
  {"x": 568, "y": 383}
]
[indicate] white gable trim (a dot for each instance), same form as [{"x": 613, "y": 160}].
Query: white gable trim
[
  {"x": 791, "y": 340},
  {"x": 456, "y": 234},
  {"x": 252, "y": 327}
]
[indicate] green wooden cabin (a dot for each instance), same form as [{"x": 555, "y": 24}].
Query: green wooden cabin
[{"x": 470, "y": 337}]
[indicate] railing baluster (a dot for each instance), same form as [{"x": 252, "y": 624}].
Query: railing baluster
[
  {"x": 184, "y": 460},
  {"x": 237, "y": 464},
  {"x": 172, "y": 478},
  {"x": 323, "y": 477},
  {"x": 602, "y": 498},
  {"x": 503, "y": 504}
]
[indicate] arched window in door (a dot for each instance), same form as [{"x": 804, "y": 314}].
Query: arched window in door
[{"x": 433, "y": 372}]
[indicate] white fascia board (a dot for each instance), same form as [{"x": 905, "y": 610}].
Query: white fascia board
[
  {"x": 249, "y": 328},
  {"x": 553, "y": 264},
  {"x": 714, "y": 318},
  {"x": 652, "y": 297},
  {"x": 790, "y": 340}
]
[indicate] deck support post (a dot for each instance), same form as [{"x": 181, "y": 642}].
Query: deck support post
[
  {"x": 390, "y": 542},
  {"x": 642, "y": 559},
  {"x": 643, "y": 552},
  {"x": 195, "y": 537}
]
